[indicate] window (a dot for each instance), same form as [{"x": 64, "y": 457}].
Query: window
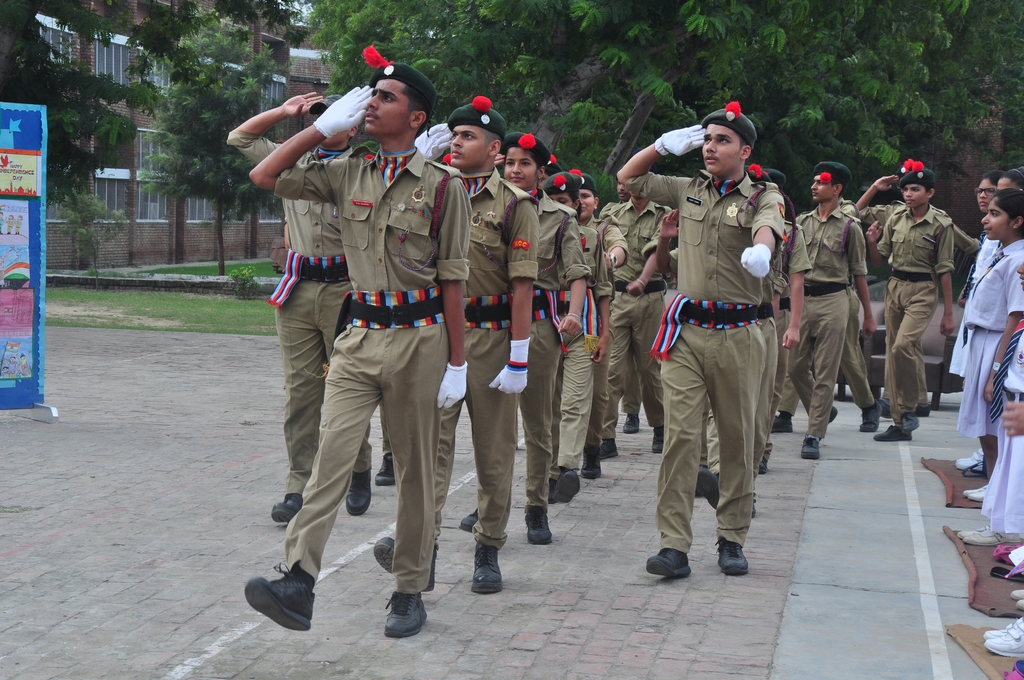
[
  {"x": 273, "y": 92},
  {"x": 272, "y": 214},
  {"x": 113, "y": 59},
  {"x": 55, "y": 213},
  {"x": 112, "y": 192},
  {"x": 61, "y": 41},
  {"x": 152, "y": 206},
  {"x": 199, "y": 210},
  {"x": 160, "y": 75},
  {"x": 147, "y": 145}
]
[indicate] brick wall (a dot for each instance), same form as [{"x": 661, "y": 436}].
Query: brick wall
[{"x": 960, "y": 171}]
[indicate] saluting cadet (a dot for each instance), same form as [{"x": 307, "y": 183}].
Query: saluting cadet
[
  {"x": 918, "y": 242},
  {"x": 557, "y": 318},
  {"x": 499, "y": 292},
  {"x": 406, "y": 240},
  {"x": 711, "y": 347},
  {"x": 836, "y": 248},
  {"x": 307, "y": 301},
  {"x": 574, "y": 385}
]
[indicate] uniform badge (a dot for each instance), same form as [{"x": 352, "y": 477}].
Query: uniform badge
[
  {"x": 1020, "y": 358},
  {"x": 732, "y": 210},
  {"x": 401, "y": 207},
  {"x": 476, "y": 219},
  {"x": 492, "y": 214},
  {"x": 520, "y": 244},
  {"x": 418, "y": 194},
  {"x": 782, "y": 210},
  {"x": 583, "y": 242}
]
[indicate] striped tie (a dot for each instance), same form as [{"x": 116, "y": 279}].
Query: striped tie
[
  {"x": 996, "y": 409},
  {"x": 974, "y": 267}
]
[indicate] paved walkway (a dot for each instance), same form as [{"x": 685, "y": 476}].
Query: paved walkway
[{"x": 128, "y": 531}]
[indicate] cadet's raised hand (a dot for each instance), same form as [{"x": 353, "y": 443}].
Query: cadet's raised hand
[
  {"x": 680, "y": 141},
  {"x": 757, "y": 260},
  {"x": 297, "y": 106},
  {"x": 344, "y": 113},
  {"x": 886, "y": 183},
  {"x": 670, "y": 225},
  {"x": 435, "y": 140}
]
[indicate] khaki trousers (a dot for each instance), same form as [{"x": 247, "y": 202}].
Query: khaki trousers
[
  {"x": 401, "y": 370},
  {"x": 709, "y": 365},
  {"x": 631, "y": 399},
  {"x": 854, "y": 369},
  {"x": 814, "y": 365},
  {"x": 492, "y": 415},
  {"x": 909, "y": 306},
  {"x": 574, "y": 392},
  {"x": 635, "y": 323},
  {"x": 537, "y": 404},
  {"x": 598, "y": 403},
  {"x": 781, "y": 370},
  {"x": 305, "y": 331}
]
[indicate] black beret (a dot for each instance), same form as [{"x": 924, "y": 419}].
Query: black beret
[
  {"x": 403, "y": 73},
  {"x": 914, "y": 172},
  {"x": 479, "y": 114},
  {"x": 526, "y": 141},
  {"x": 563, "y": 182},
  {"x": 589, "y": 183},
  {"x": 321, "y": 106},
  {"x": 732, "y": 117},
  {"x": 839, "y": 172}
]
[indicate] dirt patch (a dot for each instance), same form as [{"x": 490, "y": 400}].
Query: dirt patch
[{"x": 79, "y": 312}]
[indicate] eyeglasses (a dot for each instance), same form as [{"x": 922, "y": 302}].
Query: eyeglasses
[{"x": 989, "y": 191}]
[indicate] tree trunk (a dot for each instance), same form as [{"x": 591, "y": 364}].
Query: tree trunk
[
  {"x": 220, "y": 239},
  {"x": 576, "y": 85}
]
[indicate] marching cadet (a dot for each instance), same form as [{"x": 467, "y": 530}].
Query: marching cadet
[
  {"x": 574, "y": 385},
  {"x": 406, "y": 239},
  {"x": 836, "y": 248},
  {"x": 557, "y": 318},
  {"x": 307, "y": 300},
  {"x": 499, "y": 307},
  {"x": 727, "y": 228},
  {"x": 636, "y": 311},
  {"x": 918, "y": 242},
  {"x": 615, "y": 253}
]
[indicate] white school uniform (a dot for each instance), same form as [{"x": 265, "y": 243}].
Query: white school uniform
[
  {"x": 1004, "y": 497},
  {"x": 956, "y": 363}
]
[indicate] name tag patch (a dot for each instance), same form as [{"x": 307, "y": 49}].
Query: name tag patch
[
  {"x": 694, "y": 200},
  {"x": 362, "y": 204}
]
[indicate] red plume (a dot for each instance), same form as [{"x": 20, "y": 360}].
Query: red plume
[
  {"x": 756, "y": 169},
  {"x": 527, "y": 141},
  {"x": 577, "y": 172},
  {"x": 908, "y": 165},
  {"x": 560, "y": 182},
  {"x": 447, "y": 159},
  {"x": 374, "y": 59},
  {"x": 481, "y": 104},
  {"x": 734, "y": 109},
  {"x": 553, "y": 159},
  {"x": 918, "y": 166},
  {"x": 825, "y": 178}
]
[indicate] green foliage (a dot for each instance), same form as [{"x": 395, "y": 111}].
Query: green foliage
[
  {"x": 246, "y": 286},
  {"x": 90, "y": 225}
]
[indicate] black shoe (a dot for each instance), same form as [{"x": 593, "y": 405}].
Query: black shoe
[
  {"x": 591, "y": 463},
  {"x": 552, "y": 483},
  {"x": 566, "y": 486},
  {"x": 537, "y": 531},
  {"x": 883, "y": 404},
  {"x": 893, "y": 434},
  {"x": 358, "y": 500},
  {"x": 659, "y": 439},
  {"x": 869, "y": 418},
  {"x": 669, "y": 563},
  {"x": 707, "y": 486},
  {"x": 407, "y": 615},
  {"x": 762, "y": 467},
  {"x": 288, "y": 601},
  {"x": 923, "y": 410},
  {"x": 782, "y": 423},
  {"x": 832, "y": 414},
  {"x": 384, "y": 553},
  {"x": 285, "y": 510},
  {"x": 730, "y": 558},
  {"x": 608, "y": 449},
  {"x": 469, "y": 521},
  {"x": 910, "y": 422},
  {"x": 386, "y": 474},
  {"x": 632, "y": 425},
  {"x": 486, "y": 574},
  {"x": 809, "y": 451}
]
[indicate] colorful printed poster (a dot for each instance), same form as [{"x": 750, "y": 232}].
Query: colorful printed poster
[
  {"x": 19, "y": 173},
  {"x": 14, "y": 220},
  {"x": 21, "y": 169},
  {"x": 15, "y": 358},
  {"x": 14, "y": 266}
]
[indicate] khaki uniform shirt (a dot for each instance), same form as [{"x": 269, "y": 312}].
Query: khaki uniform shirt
[
  {"x": 593, "y": 254},
  {"x": 714, "y": 230},
  {"x": 493, "y": 263},
  {"x": 571, "y": 266},
  {"x": 833, "y": 261},
  {"x": 386, "y": 230},
  {"x": 313, "y": 228},
  {"x": 913, "y": 247},
  {"x": 799, "y": 262},
  {"x": 639, "y": 229}
]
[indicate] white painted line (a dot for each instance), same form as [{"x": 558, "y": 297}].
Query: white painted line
[
  {"x": 183, "y": 669},
  {"x": 941, "y": 669}
]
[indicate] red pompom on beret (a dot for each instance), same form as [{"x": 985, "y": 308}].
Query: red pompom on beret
[
  {"x": 825, "y": 178},
  {"x": 756, "y": 169},
  {"x": 733, "y": 110},
  {"x": 527, "y": 141},
  {"x": 374, "y": 59},
  {"x": 577, "y": 172},
  {"x": 481, "y": 104}
]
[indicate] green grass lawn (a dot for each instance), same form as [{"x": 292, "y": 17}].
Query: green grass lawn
[
  {"x": 158, "y": 311},
  {"x": 263, "y": 269}
]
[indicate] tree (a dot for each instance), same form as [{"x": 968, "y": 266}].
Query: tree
[
  {"x": 194, "y": 120},
  {"x": 85, "y": 110},
  {"x": 90, "y": 224}
]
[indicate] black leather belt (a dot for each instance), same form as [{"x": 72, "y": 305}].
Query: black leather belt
[
  {"x": 823, "y": 289},
  {"x": 543, "y": 304},
  {"x": 1013, "y": 396},
  {"x": 910, "y": 276},
  {"x": 399, "y": 315},
  {"x": 652, "y": 287},
  {"x": 329, "y": 274},
  {"x": 719, "y": 316},
  {"x": 765, "y": 312},
  {"x": 479, "y": 314},
  {"x": 784, "y": 304}
]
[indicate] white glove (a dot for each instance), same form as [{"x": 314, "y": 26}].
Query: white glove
[
  {"x": 757, "y": 260},
  {"x": 512, "y": 379},
  {"x": 435, "y": 140},
  {"x": 681, "y": 141},
  {"x": 453, "y": 386},
  {"x": 345, "y": 113}
]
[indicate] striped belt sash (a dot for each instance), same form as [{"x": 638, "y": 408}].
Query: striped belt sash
[
  {"x": 703, "y": 313},
  {"x": 492, "y": 312},
  {"x": 399, "y": 308},
  {"x": 298, "y": 267}
]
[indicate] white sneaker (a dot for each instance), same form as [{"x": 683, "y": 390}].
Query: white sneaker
[
  {"x": 1017, "y": 626},
  {"x": 1017, "y": 595},
  {"x": 970, "y": 461},
  {"x": 985, "y": 528},
  {"x": 989, "y": 538},
  {"x": 1010, "y": 643},
  {"x": 977, "y": 495}
]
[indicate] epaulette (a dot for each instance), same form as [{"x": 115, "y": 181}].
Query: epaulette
[
  {"x": 516, "y": 191},
  {"x": 446, "y": 168}
]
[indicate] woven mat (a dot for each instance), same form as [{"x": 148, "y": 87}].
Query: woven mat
[
  {"x": 954, "y": 482},
  {"x": 973, "y": 642},
  {"x": 988, "y": 594}
]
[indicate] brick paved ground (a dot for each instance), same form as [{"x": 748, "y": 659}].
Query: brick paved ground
[{"x": 128, "y": 531}]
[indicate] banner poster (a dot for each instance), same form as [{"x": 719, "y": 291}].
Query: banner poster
[{"x": 22, "y": 254}]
